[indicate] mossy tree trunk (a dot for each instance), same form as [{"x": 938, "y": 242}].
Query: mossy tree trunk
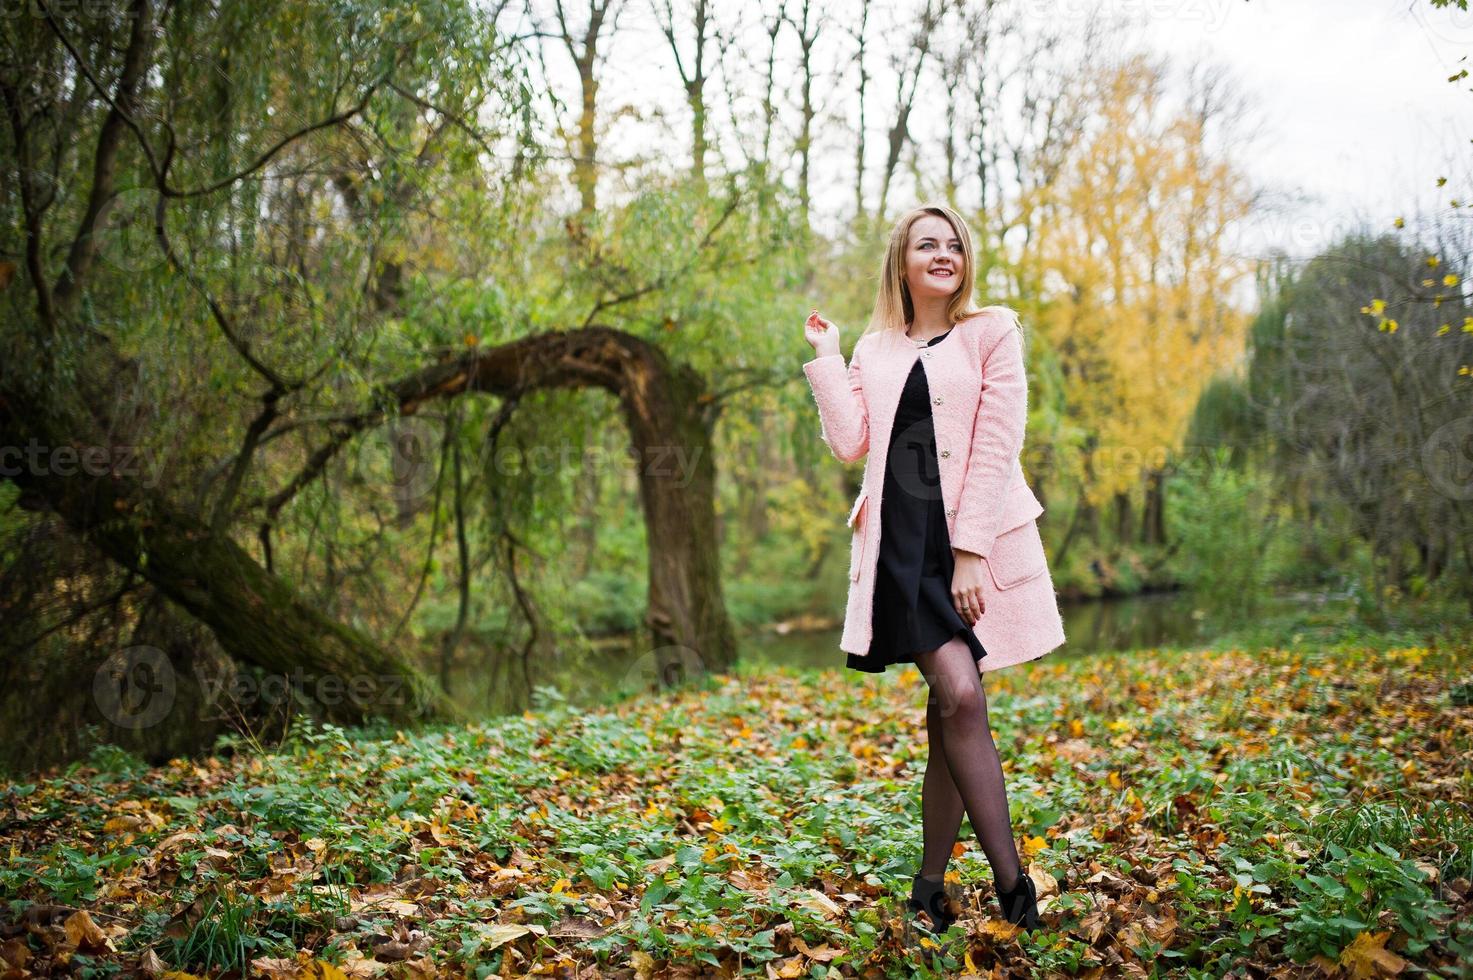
[{"x": 256, "y": 617}]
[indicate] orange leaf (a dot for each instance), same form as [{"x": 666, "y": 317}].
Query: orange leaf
[{"x": 82, "y": 932}]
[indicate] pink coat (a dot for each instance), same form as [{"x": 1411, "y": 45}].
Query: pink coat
[{"x": 979, "y": 404}]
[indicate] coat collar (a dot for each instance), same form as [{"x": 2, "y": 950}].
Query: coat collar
[{"x": 893, "y": 344}]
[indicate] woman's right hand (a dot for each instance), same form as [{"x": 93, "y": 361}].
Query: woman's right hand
[{"x": 822, "y": 335}]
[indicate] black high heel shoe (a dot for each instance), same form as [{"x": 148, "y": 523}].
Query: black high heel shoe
[
  {"x": 930, "y": 897},
  {"x": 1020, "y": 906}
]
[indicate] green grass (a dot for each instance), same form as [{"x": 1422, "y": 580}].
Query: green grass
[{"x": 1196, "y": 811}]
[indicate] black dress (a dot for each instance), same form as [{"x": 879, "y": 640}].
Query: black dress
[{"x": 913, "y": 611}]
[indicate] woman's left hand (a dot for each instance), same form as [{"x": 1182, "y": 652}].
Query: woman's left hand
[{"x": 966, "y": 586}]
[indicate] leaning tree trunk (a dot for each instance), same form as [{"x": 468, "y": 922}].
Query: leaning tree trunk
[
  {"x": 670, "y": 417},
  {"x": 256, "y": 617},
  {"x": 260, "y": 620}
]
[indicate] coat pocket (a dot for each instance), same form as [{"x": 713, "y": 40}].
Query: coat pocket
[
  {"x": 1017, "y": 556},
  {"x": 856, "y": 541}
]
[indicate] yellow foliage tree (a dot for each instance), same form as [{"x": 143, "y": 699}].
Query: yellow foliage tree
[{"x": 1132, "y": 247}]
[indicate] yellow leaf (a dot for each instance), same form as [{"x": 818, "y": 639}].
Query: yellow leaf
[
  {"x": 1378, "y": 306},
  {"x": 499, "y": 934},
  {"x": 1450, "y": 279},
  {"x": 1367, "y": 956},
  {"x": 643, "y": 963},
  {"x": 323, "y": 970},
  {"x": 794, "y": 966}
]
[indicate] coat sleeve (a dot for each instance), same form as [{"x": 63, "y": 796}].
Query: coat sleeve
[
  {"x": 997, "y": 439},
  {"x": 843, "y": 416}
]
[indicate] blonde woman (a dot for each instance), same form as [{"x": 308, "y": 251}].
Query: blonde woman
[{"x": 947, "y": 568}]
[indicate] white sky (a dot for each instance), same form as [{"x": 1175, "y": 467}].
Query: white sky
[
  {"x": 1357, "y": 118},
  {"x": 1360, "y": 117}
]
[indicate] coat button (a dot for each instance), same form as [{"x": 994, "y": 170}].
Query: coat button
[
  {"x": 925, "y": 353},
  {"x": 945, "y": 453},
  {"x": 936, "y": 400},
  {"x": 951, "y": 512}
]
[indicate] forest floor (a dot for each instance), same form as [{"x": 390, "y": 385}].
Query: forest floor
[{"x": 1297, "y": 810}]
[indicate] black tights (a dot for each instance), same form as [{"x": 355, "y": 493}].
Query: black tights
[{"x": 962, "y": 769}]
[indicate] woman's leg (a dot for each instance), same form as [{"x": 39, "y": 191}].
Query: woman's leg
[
  {"x": 941, "y": 804},
  {"x": 971, "y": 756}
]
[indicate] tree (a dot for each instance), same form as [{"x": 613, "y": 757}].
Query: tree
[{"x": 1135, "y": 226}]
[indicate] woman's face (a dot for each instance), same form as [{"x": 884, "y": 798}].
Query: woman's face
[{"x": 933, "y": 258}]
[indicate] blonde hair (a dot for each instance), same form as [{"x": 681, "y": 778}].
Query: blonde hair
[{"x": 893, "y": 306}]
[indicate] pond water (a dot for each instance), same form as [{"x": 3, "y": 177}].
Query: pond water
[
  {"x": 1155, "y": 620},
  {"x": 1158, "y": 620}
]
